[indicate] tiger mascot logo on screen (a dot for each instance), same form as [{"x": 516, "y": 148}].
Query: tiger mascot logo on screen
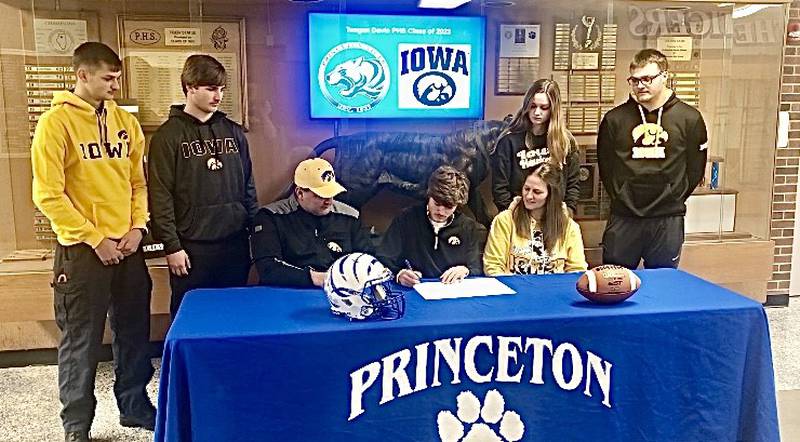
[{"x": 354, "y": 77}]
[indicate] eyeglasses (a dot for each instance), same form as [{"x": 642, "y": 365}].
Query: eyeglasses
[{"x": 645, "y": 81}]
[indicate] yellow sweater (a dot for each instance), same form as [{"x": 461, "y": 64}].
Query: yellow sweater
[
  {"x": 507, "y": 253},
  {"x": 88, "y": 174}
]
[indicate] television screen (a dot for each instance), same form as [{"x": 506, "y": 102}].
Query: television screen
[{"x": 395, "y": 66}]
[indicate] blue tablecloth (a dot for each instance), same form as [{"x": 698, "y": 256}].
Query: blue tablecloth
[{"x": 682, "y": 360}]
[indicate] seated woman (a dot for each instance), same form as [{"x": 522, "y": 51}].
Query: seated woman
[
  {"x": 535, "y": 235},
  {"x": 435, "y": 240}
]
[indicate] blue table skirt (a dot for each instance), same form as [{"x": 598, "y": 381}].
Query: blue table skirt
[{"x": 682, "y": 360}]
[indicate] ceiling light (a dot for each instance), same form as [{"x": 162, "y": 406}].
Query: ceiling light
[
  {"x": 744, "y": 11},
  {"x": 498, "y": 3},
  {"x": 441, "y": 4}
]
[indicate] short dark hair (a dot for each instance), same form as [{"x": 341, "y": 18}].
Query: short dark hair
[
  {"x": 202, "y": 70},
  {"x": 647, "y": 56},
  {"x": 92, "y": 54},
  {"x": 448, "y": 186}
]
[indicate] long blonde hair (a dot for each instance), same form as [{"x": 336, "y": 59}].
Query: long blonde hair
[
  {"x": 559, "y": 139},
  {"x": 554, "y": 221}
]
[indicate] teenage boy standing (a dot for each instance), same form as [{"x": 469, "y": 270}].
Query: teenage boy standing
[
  {"x": 651, "y": 152},
  {"x": 88, "y": 179},
  {"x": 202, "y": 193}
]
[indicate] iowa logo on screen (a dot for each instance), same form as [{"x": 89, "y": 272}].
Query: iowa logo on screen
[
  {"x": 353, "y": 77},
  {"x": 434, "y": 76}
]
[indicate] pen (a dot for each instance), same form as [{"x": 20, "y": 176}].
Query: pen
[{"x": 410, "y": 268}]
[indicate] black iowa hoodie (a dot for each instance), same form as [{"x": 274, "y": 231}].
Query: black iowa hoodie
[
  {"x": 650, "y": 170},
  {"x": 200, "y": 180},
  {"x": 411, "y": 237}
]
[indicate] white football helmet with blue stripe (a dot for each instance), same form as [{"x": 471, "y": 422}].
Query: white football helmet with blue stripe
[{"x": 358, "y": 286}]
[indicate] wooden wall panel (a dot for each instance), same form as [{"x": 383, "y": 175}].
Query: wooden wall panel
[{"x": 26, "y": 301}]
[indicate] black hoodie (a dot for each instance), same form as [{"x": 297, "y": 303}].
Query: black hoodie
[
  {"x": 411, "y": 237},
  {"x": 200, "y": 180},
  {"x": 646, "y": 172},
  {"x": 513, "y": 158}
]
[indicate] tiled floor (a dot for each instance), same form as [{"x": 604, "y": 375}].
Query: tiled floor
[
  {"x": 789, "y": 414},
  {"x": 784, "y": 326},
  {"x": 29, "y": 406}
]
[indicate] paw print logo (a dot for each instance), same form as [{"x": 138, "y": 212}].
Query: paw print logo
[{"x": 475, "y": 423}]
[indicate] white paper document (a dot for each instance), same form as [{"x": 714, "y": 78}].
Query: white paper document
[{"x": 467, "y": 288}]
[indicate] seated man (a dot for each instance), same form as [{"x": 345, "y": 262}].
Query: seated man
[
  {"x": 296, "y": 239},
  {"x": 434, "y": 240}
]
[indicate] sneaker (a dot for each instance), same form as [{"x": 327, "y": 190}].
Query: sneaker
[
  {"x": 148, "y": 422},
  {"x": 76, "y": 436}
]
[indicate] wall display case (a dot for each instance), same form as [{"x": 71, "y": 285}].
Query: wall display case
[
  {"x": 584, "y": 59},
  {"x": 154, "y": 49},
  {"x": 725, "y": 60},
  {"x": 517, "y": 58}
]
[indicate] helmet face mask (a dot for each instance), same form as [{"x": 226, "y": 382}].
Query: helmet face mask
[
  {"x": 357, "y": 286},
  {"x": 389, "y": 304}
]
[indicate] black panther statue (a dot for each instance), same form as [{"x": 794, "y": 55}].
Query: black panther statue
[{"x": 365, "y": 161}]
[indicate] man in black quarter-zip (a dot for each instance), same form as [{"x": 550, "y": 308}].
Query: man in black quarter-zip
[
  {"x": 435, "y": 240},
  {"x": 202, "y": 193},
  {"x": 652, "y": 154},
  {"x": 295, "y": 240}
]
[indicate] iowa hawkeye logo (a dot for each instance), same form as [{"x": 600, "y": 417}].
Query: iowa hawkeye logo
[{"x": 434, "y": 76}]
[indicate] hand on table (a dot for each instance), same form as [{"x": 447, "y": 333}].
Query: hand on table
[
  {"x": 318, "y": 278},
  {"x": 454, "y": 274}
]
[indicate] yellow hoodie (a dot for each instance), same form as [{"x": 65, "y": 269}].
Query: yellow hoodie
[
  {"x": 508, "y": 253},
  {"x": 88, "y": 174}
]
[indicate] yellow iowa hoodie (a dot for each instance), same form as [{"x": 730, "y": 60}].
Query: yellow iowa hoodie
[{"x": 88, "y": 174}]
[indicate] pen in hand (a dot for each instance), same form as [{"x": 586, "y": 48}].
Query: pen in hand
[{"x": 408, "y": 276}]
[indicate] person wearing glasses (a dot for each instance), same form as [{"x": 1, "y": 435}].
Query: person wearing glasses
[
  {"x": 652, "y": 154},
  {"x": 537, "y": 133}
]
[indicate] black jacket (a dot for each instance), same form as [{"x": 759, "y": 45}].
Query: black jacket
[
  {"x": 511, "y": 160},
  {"x": 411, "y": 237},
  {"x": 191, "y": 196},
  {"x": 287, "y": 241},
  {"x": 642, "y": 179}
]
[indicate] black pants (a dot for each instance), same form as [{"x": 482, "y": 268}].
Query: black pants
[
  {"x": 86, "y": 292},
  {"x": 657, "y": 241},
  {"x": 214, "y": 265}
]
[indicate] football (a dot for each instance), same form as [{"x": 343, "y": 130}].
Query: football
[{"x": 608, "y": 284}]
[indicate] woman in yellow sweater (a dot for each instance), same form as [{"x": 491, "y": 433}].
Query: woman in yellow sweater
[{"x": 535, "y": 235}]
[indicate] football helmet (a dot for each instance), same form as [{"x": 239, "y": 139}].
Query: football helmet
[{"x": 358, "y": 286}]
